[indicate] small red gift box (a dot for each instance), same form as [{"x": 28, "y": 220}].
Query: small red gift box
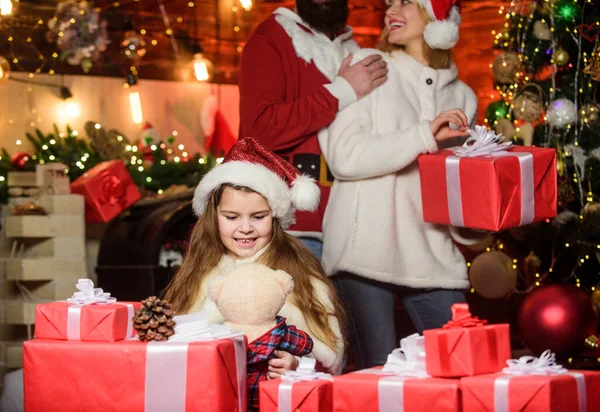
[
  {"x": 371, "y": 390},
  {"x": 305, "y": 396},
  {"x": 465, "y": 346},
  {"x": 200, "y": 376},
  {"x": 489, "y": 192},
  {"x": 105, "y": 322},
  {"x": 108, "y": 190},
  {"x": 576, "y": 391}
]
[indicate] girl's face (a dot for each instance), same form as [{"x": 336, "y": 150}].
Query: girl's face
[
  {"x": 404, "y": 22},
  {"x": 245, "y": 222}
]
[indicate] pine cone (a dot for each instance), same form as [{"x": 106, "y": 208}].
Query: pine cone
[{"x": 154, "y": 320}]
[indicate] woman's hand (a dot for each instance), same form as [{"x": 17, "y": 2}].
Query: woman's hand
[
  {"x": 440, "y": 126},
  {"x": 284, "y": 361}
]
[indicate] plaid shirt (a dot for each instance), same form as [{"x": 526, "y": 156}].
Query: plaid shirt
[{"x": 260, "y": 350}]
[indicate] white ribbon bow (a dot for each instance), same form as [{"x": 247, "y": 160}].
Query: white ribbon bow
[
  {"x": 88, "y": 295},
  {"x": 530, "y": 365},
  {"x": 306, "y": 371},
  {"x": 408, "y": 359},
  {"x": 482, "y": 142}
]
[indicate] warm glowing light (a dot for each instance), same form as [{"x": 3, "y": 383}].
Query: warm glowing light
[{"x": 136, "y": 107}]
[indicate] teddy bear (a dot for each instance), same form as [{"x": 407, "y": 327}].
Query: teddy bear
[{"x": 249, "y": 298}]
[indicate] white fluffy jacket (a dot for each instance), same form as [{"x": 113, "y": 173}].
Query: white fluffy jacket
[
  {"x": 373, "y": 225},
  {"x": 329, "y": 358}
]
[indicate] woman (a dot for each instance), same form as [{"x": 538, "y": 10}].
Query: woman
[{"x": 375, "y": 240}]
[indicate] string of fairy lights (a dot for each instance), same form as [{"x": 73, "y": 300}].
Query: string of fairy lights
[{"x": 34, "y": 27}]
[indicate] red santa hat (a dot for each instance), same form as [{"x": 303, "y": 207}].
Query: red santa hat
[
  {"x": 251, "y": 165},
  {"x": 442, "y": 31}
]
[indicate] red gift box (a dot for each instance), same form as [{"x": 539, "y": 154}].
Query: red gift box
[
  {"x": 306, "y": 396},
  {"x": 134, "y": 376},
  {"x": 489, "y": 192},
  {"x": 466, "y": 347},
  {"x": 577, "y": 391},
  {"x": 108, "y": 190},
  {"x": 105, "y": 323},
  {"x": 371, "y": 390}
]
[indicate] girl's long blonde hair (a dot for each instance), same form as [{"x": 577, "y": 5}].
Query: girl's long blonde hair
[
  {"x": 284, "y": 252},
  {"x": 436, "y": 58}
]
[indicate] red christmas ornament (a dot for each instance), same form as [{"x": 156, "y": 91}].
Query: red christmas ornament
[
  {"x": 557, "y": 317},
  {"x": 19, "y": 159}
]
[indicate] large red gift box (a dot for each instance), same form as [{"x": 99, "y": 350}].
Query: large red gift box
[
  {"x": 306, "y": 396},
  {"x": 576, "y": 391},
  {"x": 105, "y": 322},
  {"x": 132, "y": 376},
  {"x": 465, "y": 346},
  {"x": 371, "y": 390},
  {"x": 489, "y": 192},
  {"x": 108, "y": 190}
]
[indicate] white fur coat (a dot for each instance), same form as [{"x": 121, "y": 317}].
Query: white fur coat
[{"x": 329, "y": 358}]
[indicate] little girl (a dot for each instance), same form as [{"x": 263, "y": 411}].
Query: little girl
[
  {"x": 375, "y": 240},
  {"x": 244, "y": 205}
]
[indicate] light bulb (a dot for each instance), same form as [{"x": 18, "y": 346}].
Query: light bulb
[
  {"x": 202, "y": 68},
  {"x": 136, "y": 107},
  {"x": 71, "y": 109},
  {"x": 6, "y": 7},
  {"x": 246, "y": 4}
]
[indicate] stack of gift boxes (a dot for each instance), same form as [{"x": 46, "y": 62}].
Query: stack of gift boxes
[
  {"x": 44, "y": 237},
  {"x": 464, "y": 366},
  {"x": 86, "y": 357}
]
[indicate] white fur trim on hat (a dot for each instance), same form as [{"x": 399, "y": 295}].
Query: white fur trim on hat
[
  {"x": 253, "y": 176},
  {"x": 443, "y": 34}
]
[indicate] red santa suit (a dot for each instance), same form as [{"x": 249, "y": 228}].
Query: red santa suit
[{"x": 289, "y": 90}]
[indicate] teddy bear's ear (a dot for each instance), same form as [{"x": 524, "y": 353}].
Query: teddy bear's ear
[
  {"x": 215, "y": 285},
  {"x": 285, "y": 280}
]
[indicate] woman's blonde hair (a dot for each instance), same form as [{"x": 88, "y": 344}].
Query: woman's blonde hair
[
  {"x": 284, "y": 252},
  {"x": 436, "y": 58}
]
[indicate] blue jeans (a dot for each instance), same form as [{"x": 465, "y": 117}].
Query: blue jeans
[
  {"x": 315, "y": 245},
  {"x": 370, "y": 307}
]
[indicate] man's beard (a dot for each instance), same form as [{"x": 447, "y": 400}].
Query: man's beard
[{"x": 328, "y": 17}]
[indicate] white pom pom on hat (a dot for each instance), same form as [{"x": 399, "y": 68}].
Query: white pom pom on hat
[
  {"x": 251, "y": 165},
  {"x": 442, "y": 32}
]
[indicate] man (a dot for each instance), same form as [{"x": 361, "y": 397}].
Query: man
[{"x": 294, "y": 77}]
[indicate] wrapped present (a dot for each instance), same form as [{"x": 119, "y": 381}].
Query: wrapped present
[
  {"x": 302, "y": 390},
  {"x": 532, "y": 385},
  {"x": 108, "y": 190},
  {"x": 401, "y": 385},
  {"x": 487, "y": 185},
  {"x": 89, "y": 315},
  {"x": 466, "y": 346},
  {"x": 206, "y": 375}
]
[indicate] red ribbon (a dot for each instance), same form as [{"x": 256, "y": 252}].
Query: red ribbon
[
  {"x": 461, "y": 318},
  {"x": 113, "y": 189}
]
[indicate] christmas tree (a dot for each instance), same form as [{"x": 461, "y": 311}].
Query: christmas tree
[{"x": 547, "y": 74}]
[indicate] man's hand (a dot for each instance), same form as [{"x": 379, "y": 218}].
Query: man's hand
[
  {"x": 283, "y": 362},
  {"x": 364, "y": 76},
  {"x": 440, "y": 126}
]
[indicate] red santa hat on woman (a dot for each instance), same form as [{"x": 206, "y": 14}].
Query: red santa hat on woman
[
  {"x": 442, "y": 31},
  {"x": 251, "y": 165}
]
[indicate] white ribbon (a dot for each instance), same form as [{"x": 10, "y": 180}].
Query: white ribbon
[
  {"x": 545, "y": 365},
  {"x": 483, "y": 142},
  {"x": 88, "y": 295},
  {"x": 409, "y": 359},
  {"x": 306, "y": 371},
  {"x": 390, "y": 390},
  {"x": 169, "y": 359}
]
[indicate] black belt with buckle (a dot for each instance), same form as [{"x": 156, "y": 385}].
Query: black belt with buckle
[{"x": 313, "y": 165}]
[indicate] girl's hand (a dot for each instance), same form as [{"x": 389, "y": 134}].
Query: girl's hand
[
  {"x": 284, "y": 361},
  {"x": 440, "y": 126}
]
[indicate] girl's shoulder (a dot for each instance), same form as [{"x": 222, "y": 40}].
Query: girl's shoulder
[{"x": 361, "y": 54}]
